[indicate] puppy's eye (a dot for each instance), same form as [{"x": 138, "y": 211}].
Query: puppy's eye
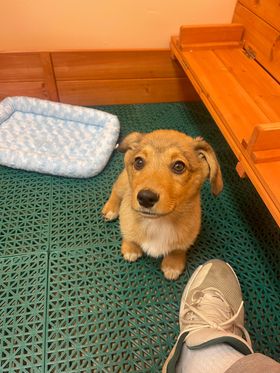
[
  {"x": 139, "y": 163},
  {"x": 178, "y": 167}
]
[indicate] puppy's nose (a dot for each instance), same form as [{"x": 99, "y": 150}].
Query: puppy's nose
[{"x": 147, "y": 198}]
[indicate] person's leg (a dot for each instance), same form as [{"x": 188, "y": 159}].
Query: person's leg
[
  {"x": 255, "y": 363},
  {"x": 214, "y": 359},
  {"x": 212, "y": 327},
  {"x": 211, "y": 322}
]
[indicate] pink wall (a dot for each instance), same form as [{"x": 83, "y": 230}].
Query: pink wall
[{"x": 28, "y": 25}]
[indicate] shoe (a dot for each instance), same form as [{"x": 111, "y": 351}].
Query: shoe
[{"x": 211, "y": 312}]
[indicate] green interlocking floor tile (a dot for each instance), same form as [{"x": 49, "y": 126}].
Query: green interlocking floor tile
[
  {"x": 106, "y": 315},
  {"x": 76, "y": 212},
  {"x": 24, "y": 212},
  {"x": 23, "y": 283},
  {"x": 103, "y": 314}
]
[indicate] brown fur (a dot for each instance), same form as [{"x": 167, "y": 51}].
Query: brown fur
[{"x": 171, "y": 226}]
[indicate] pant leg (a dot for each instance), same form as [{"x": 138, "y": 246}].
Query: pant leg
[
  {"x": 255, "y": 363},
  {"x": 216, "y": 358}
]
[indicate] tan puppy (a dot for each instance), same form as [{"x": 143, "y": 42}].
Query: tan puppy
[{"x": 157, "y": 196}]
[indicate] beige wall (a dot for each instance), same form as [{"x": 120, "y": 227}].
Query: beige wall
[{"x": 28, "y": 25}]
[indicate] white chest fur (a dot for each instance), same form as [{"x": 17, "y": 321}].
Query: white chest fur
[{"x": 161, "y": 237}]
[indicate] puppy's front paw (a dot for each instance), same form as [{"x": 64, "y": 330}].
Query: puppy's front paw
[
  {"x": 110, "y": 215},
  {"x": 173, "y": 264},
  {"x": 171, "y": 273},
  {"x": 110, "y": 211},
  {"x": 131, "y": 251},
  {"x": 131, "y": 257}
]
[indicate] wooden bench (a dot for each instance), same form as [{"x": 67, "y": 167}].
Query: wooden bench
[{"x": 235, "y": 69}]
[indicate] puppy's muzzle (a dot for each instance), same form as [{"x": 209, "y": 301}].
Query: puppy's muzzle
[{"x": 147, "y": 198}]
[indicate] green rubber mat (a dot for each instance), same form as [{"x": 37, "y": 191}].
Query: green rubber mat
[
  {"x": 23, "y": 286},
  {"x": 70, "y": 303}
]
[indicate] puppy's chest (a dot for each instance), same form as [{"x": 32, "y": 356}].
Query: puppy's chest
[{"x": 159, "y": 237}]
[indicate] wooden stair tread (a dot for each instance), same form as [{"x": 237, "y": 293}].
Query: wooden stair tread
[
  {"x": 265, "y": 177},
  {"x": 261, "y": 87},
  {"x": 240, "y": 95},
  {"x": 239, "y": 99}
]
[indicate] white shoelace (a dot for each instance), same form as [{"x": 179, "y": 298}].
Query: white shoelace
[{"x": 209, "y": 309}]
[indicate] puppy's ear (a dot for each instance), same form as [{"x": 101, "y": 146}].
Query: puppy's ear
[
  {"x": 206, "y": 153},
  {"x": 130, "y": 141}
]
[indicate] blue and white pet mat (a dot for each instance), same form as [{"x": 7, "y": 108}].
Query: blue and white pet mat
[{"x": 54, "y": 138}]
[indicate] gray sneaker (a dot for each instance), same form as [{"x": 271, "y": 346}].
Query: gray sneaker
[{"x": 211, "y": 312}]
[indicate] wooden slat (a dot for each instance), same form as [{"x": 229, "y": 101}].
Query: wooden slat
[
  {"x": 125, "y": 91},
  {"x": 20, "y": 67},
  {"x": 269, "y": 174},
  {"x": 31, "y": 89},
  {"x": 268, "y": 10},
  {"x": 210, "y": 35},
  {"x": 49, "y": 78},
  {"x": 264, "y": 144},
  {"x": 107, "y": 65},
  {"x": 132, "y": 76},
  {"x": 261, "y": 87},
  {"x": 261, "y": 156},
  {"x": 228, "y": 97},
  {"x": 266, "y": 181},
  {"x": 262, "y": 38},
  {"x": 265, "y": 137},
  {"x": 207, "y": 99}
]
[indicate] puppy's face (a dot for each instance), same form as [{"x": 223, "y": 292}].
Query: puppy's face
[{"x": 166, "y": 170}]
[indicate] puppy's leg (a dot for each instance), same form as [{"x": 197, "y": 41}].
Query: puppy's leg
[
  {"x": 131, "y": 251},
  {"x": 111, "y": 208},
  {"x": 173, "y": 264}
]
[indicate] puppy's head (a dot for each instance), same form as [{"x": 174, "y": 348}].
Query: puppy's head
[{"x": 166, "y": 170}]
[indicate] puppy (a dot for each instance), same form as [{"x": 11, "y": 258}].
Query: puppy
[{"x": 157, "y": 195}]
